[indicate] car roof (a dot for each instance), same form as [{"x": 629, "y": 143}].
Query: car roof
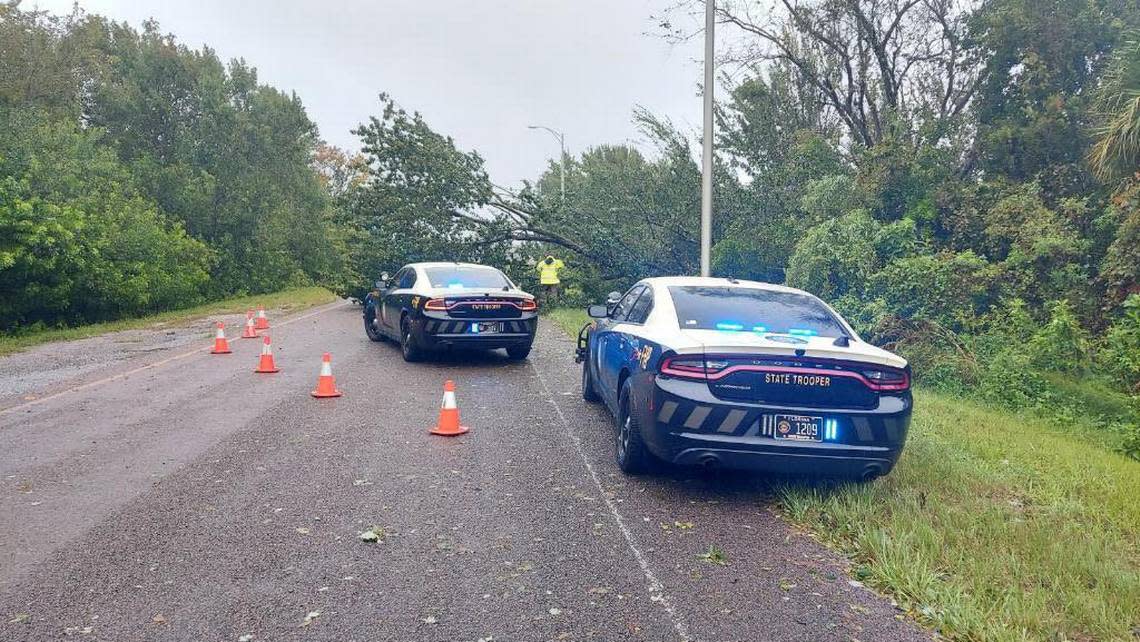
[
  {"x": 714, "y": 281},
  {"x": 432, "y": 264}
]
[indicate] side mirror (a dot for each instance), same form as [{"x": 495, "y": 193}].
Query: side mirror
[
  {"x": 383, "y": 282},
  {"x": 598, "y": 311}
]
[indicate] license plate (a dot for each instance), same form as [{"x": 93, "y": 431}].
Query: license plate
[
  {"x": 799, "y": 428},
  {"x": 485, "y": 328}
]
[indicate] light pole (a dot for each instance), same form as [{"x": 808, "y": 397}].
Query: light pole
[
  {"x": 561, "y": 159},
  {"x": 707, "y": 160}
]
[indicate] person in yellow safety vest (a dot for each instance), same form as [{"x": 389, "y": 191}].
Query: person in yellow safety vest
[{"x": 548, "y": 277}]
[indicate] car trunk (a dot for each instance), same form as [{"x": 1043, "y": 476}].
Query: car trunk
[
  {"x": 480, "y": 304},
  {"x": 784, "y": 370}
]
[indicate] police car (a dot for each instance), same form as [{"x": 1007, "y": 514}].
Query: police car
[
  {"x": 739, "y": 374},
  {"x": 434, "y": 306}
]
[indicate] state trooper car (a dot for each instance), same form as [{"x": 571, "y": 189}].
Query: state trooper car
[
  {"x": 740, "y": 374},
  {"x": 432, "y": 306}
]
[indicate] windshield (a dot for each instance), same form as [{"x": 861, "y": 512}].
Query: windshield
[
  {"x": 742, "y": 309},
  {"x": 466, "y": 277}
]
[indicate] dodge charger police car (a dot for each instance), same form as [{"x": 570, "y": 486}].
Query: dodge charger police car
[
  {"x": 740, "y": 374},
  {"x": 434, "y": 306}
]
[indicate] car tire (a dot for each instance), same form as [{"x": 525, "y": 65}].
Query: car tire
[
  {"x": 408, "y": 346},
  {"x": 633, "y": 458},
  {"x": 518, "y": 353},
  {"x": 589, "y": 393},
  {"x": 369, "y": 325}
]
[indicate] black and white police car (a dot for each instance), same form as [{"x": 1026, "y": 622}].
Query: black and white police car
[
  {"x": 739, "y": 374},
  {"x": 434, "y": 306}
]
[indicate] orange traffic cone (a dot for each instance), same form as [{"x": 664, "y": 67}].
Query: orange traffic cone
[
  {"x": 266, "y": 364},
  {"x": 250, "y": 332},
  {"x": 448, "y": 424},
  {"x": 221, "y": 346},
  {"x": 262, "y": 321},
  {"x": 326, "y": 384}
]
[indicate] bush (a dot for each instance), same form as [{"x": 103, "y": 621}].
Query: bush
[
  {"x": 1119, "y": 354},
  {"x": 835, "y": 257},
  {"x": 1061, "y": 345},
  {"x": 948, "y": 289}
]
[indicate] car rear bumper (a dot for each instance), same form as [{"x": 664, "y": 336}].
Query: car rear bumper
[
  {"x": 442, "y": 333},
  {"x": 687, "y": 425}
]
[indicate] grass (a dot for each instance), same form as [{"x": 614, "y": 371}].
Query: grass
[
  {"x": 286, "y": 300},
  {"x": 993, "y": 526},
  {"x": 570, "y": 320}
]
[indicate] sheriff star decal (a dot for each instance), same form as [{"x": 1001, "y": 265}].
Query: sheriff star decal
[{"x": 415, "y": 302}]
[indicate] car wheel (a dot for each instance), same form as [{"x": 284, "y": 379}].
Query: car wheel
[
  {"x": 518, "y": 353},
  {"x": 370, "y": 325},
  {"x": 633, "y": 458},
  {"x": 408, "y": 348},
  {"x": 589, "y": 393}
]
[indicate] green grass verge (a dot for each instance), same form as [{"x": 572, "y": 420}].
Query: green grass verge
[
  {"x": 992, "y": 527},
  {"x": 287, "y": 300},
  {"x": 570, "y": 320}
]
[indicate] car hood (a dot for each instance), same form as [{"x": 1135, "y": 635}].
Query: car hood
[{"x": 771, "y": 343}]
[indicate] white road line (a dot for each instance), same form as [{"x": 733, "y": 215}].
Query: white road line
[
  {"x": 656, "y": 588},
  {"x": 149, "y": 366}
]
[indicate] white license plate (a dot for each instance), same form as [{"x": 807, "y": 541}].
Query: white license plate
[
  {"x": 485, "y": 328},
  {"x": 799, "y": 428}
]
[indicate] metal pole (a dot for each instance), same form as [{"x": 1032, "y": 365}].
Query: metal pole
[
  {"x": 707, "y": 160},
  {"x": 562, "y": 160},
  {"x": 562, "y": 164}
]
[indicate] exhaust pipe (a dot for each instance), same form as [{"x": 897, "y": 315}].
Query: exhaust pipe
[
  {"x": 870, "y": 473},
  {"x": 708, "y": 461}
]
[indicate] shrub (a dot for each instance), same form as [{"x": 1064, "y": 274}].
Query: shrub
[
  {"x": 1061, "y": 345},
  {"x": 948, "y": 289},
  {"x": 835, "y": 257},
  {"x": 1119, "y": 354}
]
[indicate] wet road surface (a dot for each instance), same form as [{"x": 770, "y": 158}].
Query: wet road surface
[{"x": 194, "y": 500}]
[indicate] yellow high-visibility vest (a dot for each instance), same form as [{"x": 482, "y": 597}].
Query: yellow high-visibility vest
[{"x": 548, "y": 272}]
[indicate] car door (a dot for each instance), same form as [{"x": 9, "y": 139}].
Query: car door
[
  {"x": 613, "y": 345},
  {"x": 396, "y": 298}
]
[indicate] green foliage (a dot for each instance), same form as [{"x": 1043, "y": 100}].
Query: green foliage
[
  {"x": 835, "y": 257},
  {"x": 1061, "y": 345},
  {"x": 1119, "y": 353},
  {"x": 140, "y": 175},
  {"x": 79, "y": 242},
  {"x": 949, "y": 289}
]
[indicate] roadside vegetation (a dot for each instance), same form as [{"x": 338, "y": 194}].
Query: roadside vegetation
[
  {"x": 289, "y": 300},
  {"x": 994, "y": 526}
]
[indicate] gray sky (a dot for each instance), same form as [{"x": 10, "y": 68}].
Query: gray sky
[{"x": 480, "y": 70}]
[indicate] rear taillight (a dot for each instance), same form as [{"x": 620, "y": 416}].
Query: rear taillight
[
  {"x": 528, "y": 305},
  {"x": 439, "y": 305},
  {"x": 886, "y": 379},
  {"x": 690, "y": 367}
]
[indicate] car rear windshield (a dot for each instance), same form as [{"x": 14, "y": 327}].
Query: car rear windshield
[
  {"x": 466, "y": 277},
  {"x": 744, "y": 309}
]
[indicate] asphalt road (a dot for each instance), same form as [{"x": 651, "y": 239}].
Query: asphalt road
[{"x": 191, "y": 499}]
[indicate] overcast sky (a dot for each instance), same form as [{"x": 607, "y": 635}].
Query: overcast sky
[{"x": 479, "y": 70}]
